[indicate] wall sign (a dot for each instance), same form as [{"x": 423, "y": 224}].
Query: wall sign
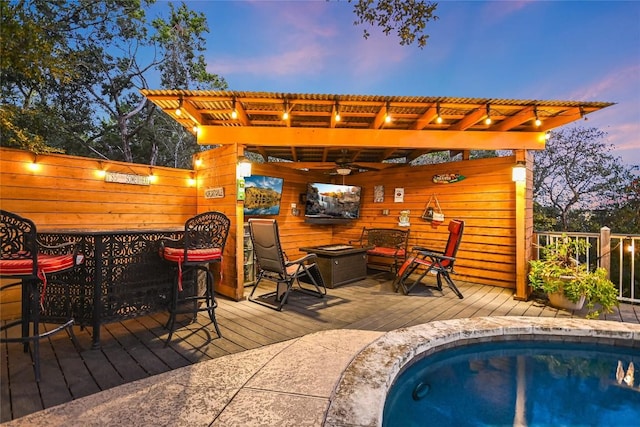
[
  {"x": 378, "y": 193},
  {"x": 127, "y": 178},
  {"x": 447, "y": 178},
  {"x": 214, "y": 193},
  {"x": 398, "y": 195}
]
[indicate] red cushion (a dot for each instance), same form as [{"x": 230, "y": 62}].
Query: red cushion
[
  {"x": 388, "y": 252},
  {"x": 46, "y": 264},
  {"x": 193, "y": 255},
  {"x": 405, "y": 265},
  {"x": 444, "y": 263}
]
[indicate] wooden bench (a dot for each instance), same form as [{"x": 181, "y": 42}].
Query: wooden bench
[{"x": 387, "y": 243}]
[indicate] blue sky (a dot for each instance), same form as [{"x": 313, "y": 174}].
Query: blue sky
[{"x": 552, "y": 50}]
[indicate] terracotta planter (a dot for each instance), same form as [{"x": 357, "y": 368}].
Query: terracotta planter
[{"x": 559, "y": 300}]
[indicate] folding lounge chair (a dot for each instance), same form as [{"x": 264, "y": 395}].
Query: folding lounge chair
[
  {"x": 273, "y": 266},
  {"x": 432, "y": 261}
]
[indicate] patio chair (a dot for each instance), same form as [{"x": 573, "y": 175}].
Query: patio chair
[
  {"x": 274, "y": 266},
  {"x": 203, "y": 243},
  {"x": 33, "y": 265},
  {"x": 439, "y": 262}
]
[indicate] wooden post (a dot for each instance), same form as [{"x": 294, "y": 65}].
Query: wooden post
[
  {"x": 605, "y": 250},
  {"x": 522, "y": 291}
]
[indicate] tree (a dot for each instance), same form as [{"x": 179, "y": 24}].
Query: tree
[
  {"x": 577, "y": 176},
  {"x": 408, "y": 18},
  {"x": 73, "y": 70}
]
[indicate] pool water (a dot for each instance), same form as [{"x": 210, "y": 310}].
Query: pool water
[{"x": 525, "y": 383}]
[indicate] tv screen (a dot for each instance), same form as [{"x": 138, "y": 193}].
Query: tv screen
[
  {"x": 332, "y": 201},
  {"x": 262, "y": 195}
]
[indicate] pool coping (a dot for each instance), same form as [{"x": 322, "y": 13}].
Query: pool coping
[
  {"x": 336, "y": 378},
  {"x": 360, "y": 394}
]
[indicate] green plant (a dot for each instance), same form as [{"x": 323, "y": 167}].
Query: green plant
[{"x": 559, "y": 270}]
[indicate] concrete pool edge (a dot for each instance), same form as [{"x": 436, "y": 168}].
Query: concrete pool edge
[{"x": 360, "y": 394}]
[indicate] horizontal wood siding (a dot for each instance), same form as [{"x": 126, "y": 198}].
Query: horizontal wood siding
[
  {"x": 218, "y": 169},
  {"x": 66, "y": 192},
  {"x": 485, "y": 200}
]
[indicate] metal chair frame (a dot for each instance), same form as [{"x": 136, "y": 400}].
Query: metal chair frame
[
  {"x": 203, "y": 243},
  {"x": 273, "y": 265},
  {"x": 20, "y": 254},
  {"x": 440, "y": 262}
]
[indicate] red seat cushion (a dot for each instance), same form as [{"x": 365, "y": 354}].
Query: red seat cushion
[
  {"x": 193, "y": 255},
  {"x": 388, "y": 252},
  {"x": 46, "y": 264}
]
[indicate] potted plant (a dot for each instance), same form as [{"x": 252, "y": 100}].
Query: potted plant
[{"x": 568, "y": 283}]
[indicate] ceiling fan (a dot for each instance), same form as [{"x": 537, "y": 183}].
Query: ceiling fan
[{"x": 344, "y": 166}]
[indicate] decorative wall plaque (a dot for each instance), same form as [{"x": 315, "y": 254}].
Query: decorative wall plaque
[
  {"x": 127, "y": 178},
  {"x": 214, "y": 193}
]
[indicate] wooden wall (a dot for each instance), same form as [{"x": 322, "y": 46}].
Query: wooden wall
[
  {"x": 218, "y": 169},
  {"x": 485, "y": 200},
  {"x": 66, "y": 193}
]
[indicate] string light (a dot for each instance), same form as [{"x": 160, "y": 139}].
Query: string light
[
  {"x": 234, "y": 112},
  {"x": 487, "y": 121},
  {"x": 439, "y": 118},
  {"x": 538, "y": 122},
  {"x": 285, "y": 112},
  {"x": 337, "y": 117},
  {"x": 179, "y": 109},
  {"x": 387, "y": 116}
]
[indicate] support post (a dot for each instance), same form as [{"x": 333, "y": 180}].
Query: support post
[{"x": 605, "y": 250}]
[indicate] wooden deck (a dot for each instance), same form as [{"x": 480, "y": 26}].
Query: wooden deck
[{"x": 134, "y": 349}]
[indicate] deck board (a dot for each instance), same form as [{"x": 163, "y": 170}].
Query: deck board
[{"x": 134, "y": 348}]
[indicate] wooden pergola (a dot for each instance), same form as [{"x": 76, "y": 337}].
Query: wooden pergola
[
  {"x": 317, "y": 128},
  {"x": 324, "y": 131}
]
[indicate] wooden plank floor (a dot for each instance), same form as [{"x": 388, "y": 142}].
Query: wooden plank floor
[{"x": 134, "y": 348}]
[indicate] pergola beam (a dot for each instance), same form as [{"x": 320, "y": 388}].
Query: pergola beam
[{"x": 340, "y": 138}]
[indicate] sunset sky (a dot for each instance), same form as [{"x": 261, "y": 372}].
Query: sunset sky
[{"x": 545, "y": 50}]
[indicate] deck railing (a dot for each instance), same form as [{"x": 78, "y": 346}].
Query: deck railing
[{"x": 619, "y": 254}]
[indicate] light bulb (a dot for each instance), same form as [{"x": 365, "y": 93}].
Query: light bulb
[
  {"x": 285, "y": 116},
  {"x": 487, "y": 121},
  {"x": 337, "y": 117},
  {"x": 234, "y": 114},
  {"x": 439, "y": 120}
]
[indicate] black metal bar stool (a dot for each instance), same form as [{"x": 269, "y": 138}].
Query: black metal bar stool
[
  {"x": 33, "y": 265},
  {"x": 202, "y": 244}
]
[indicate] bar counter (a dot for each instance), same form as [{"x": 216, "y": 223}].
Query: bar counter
[{"x": 122, "y": 276}]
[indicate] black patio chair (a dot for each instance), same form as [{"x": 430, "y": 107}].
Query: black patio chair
[
  {"x": 203, "y": 243},
  {"x": 439, "y": 262},
  {"x": 34, "y": 266},
  {"x": 274, "y": 266}
]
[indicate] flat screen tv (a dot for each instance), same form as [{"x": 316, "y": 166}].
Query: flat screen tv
[
  {"x": 331, "y": 203},
  {"x": 262, "y": 195}
]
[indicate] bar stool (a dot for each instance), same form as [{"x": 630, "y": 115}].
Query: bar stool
[
  {"x": 34, "y": 265},
  {"x": 202, "y": 244}
]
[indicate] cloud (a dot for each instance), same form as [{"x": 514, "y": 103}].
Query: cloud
[
  {"x": 622, "y": 82},
  {"x": 497, "y": 11}
]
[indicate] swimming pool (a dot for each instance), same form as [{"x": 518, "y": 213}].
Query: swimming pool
[
  {"x": 531, "y": 383},
  {"x": 359, "y": 397}
]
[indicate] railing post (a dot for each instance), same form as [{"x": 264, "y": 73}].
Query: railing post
[{"x": 605, "y": 250}]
